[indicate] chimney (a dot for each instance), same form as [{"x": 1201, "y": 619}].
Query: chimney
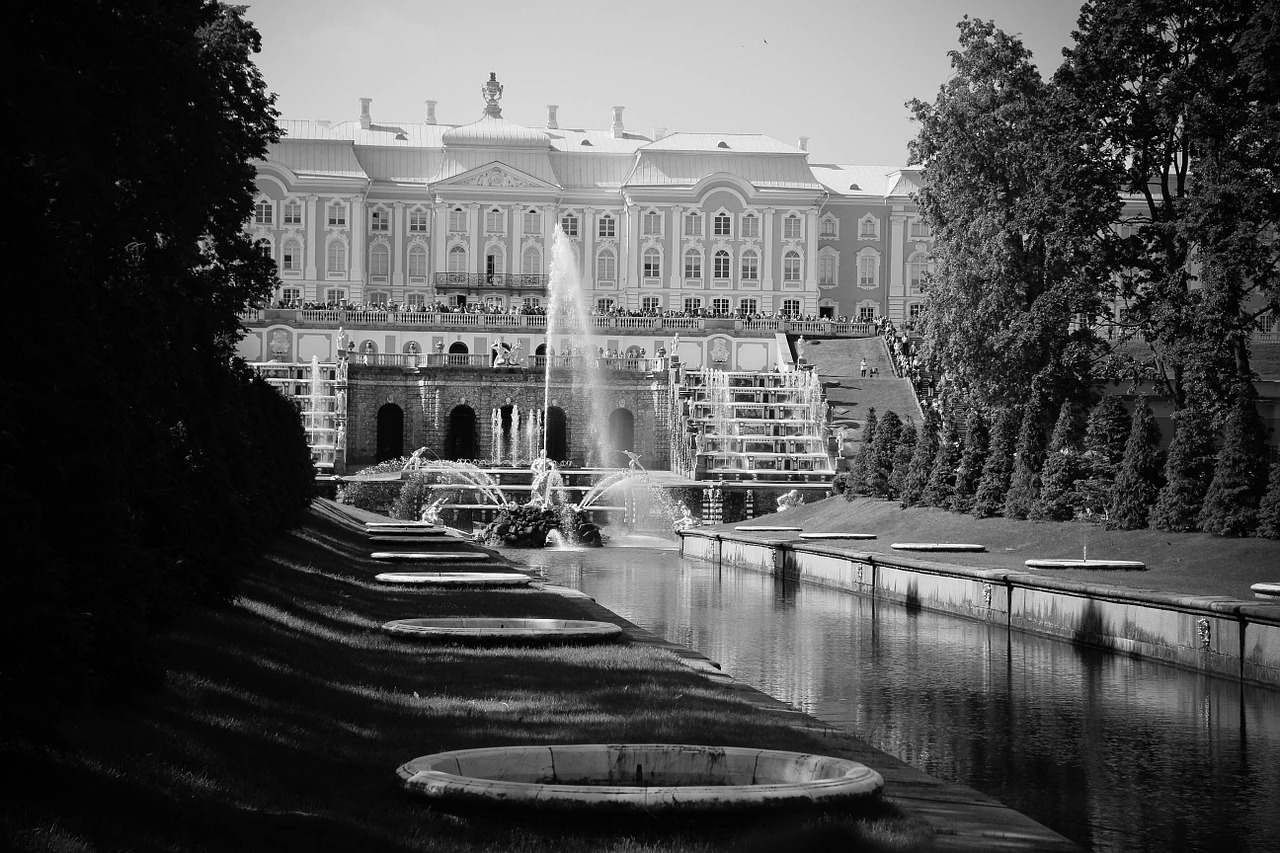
[
  {"x": 551, "y": 116},
  {"x": 803, "y": 143},
  {"x": 617, "y": 122},
  {"x": 658, "y": 133},
  {"x": 365, "y": 119},
  {"x": 431, "y": 112}
]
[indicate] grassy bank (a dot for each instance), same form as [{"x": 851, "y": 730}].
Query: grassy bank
[{"x": 283, "y": 717}]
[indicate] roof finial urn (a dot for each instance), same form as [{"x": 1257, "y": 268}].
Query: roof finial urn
[{"x": 492, "y": 92}]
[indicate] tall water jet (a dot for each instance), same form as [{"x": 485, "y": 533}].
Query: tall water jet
[{"x": 569, "y": 322}]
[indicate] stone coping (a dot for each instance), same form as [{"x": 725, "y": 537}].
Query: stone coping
[
  {"x": 937, "y": 546},
  {"x": 454, "y": 578},
  {"x": 768, "y": 528},
  {"x": 418, "y": 526},
  {"x": 837, "y": 536},
  {"x": 1266, "y": 590},
  {"x": 461, "y": 629},
  {"x": 1130, "y": 565},
  {"x": 639, "y": 778},
  {"x": 430, "y": 556}
]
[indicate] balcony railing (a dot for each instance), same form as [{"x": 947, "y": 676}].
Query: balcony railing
[{"x": 471, "y": 281}]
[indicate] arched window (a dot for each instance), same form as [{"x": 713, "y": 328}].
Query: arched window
[
  {"x": 418, "y": 221},
  {"x": 494, "y": 221},
  {"x": 336, "y": 257},
  {"x": 791, "y": 228},
  {"x": 417, "y": 262},
  {"x": 693, "y": 224},
  {"x": 828, "y": 227},
  {"x": 750, "y": 225},
  {"x": 693, "y": 264},
  {"x": 652, "y": 263},
  {"x": 336, "y": 214},
  {"x": 262, "y": 212},
  {"x": 532, "y": 222},
  {"x": 531, "y": 260},
  {"x": 458, "y": 219},
  {"x": 722, "y": 225},
  {"x": 569, "y": 224},
  {"x": 791, "y": 266},
  {"x": 750, "y": 266},
  {"x": 379, "y": 219},
  {"x": 379, "y": 262},
  {"x": 652, "y": 223},
  {"x": 458, "y": 259},
  {"x": 917, "y": 269},
  {"x": 606, "y": 265},
  {"x": 291, "y": 256},
  {"x": 721, "y": 264},
  {"x": 606, "y": 226}
]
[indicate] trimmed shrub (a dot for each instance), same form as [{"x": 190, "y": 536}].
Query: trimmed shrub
[
  {"x": 902, "y": 456},
  {"x": 941, "y": 486},
  {"x": 1138, "y": 482},
  {"x": 1239, "y": 473},
  {"x": 1188, "y": 472},
  {"x": 862, "y": 460},
  {"x": 922, "y": 457},
  {"x": 1063, "y": 466},
  {"x": 1028, "y": 458},
  {"x": 880, "y": 463},
  {"x": 1269, "y": 509},
  {"x": 997, "y": 472}
]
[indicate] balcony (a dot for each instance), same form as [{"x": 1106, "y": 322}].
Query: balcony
[{"x": 472, "y": 282}]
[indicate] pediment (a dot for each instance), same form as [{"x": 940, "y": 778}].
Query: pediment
[{"x": 497, "y": 175}]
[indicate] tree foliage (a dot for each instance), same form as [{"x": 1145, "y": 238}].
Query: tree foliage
[
  {"x": 902, "y": 456},
  {"x": 1028, "y": 458},
  {"x": 1138, "y": 481},
  {"x": 1063, "y": 466},
  {"x": 1269, "y": 509},
  {"x": 1239, "y": 473},
  {"x": 941, "y": 486},
  {"x": 922, "y": 456},
  {"x": 1188, "y": 471},
  {"x": 997, "y": 472},
  {"x": 857, "y": 481},
  {"x": 880, "y": 463},
  {"x": 972, "y": 462}
]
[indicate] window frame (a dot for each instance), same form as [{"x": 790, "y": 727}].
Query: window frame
[{"x": 792, "y": 266}]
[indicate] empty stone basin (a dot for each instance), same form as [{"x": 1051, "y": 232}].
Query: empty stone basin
[
  {"x": 1268, "y": 591},
  {"x": 464, "y": 629},
  {"x": 937, "y": 546},
  {"x": 431, "y": 556},
  {"x": 837, "y": 536},
  {"x": 1129, "y": 565},
  {"x": 766, "y": 527},
  {"x": 639, "y": 778},
  {"x": 455, "y": 578}
]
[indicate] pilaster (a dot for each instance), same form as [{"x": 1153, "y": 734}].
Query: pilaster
[
  {"x": 314, "y": 232},
  {"x": 766, "y": 251},
  {"x": 359, "y": 239},
  {"x": 476, "y": 222},
  {"x": 675, "y": 257},
  {"x": 397, "y": 256},
  {"x": 811, "y": 252}
]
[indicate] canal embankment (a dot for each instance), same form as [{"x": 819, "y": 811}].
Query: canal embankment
[{"x": 1186, "y": 609}]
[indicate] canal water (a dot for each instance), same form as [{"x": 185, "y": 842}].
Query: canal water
[{"x": 1115, "y": 753}]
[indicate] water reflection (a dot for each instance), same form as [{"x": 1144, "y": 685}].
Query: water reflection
[{"x": 1115, "y": 753}]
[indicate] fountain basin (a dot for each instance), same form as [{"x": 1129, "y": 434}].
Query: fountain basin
[
  {"x": 937, "y": 546},
  {"x": 649, "y": 779},
  {"x": 481, "y": 630},
  {"x": 1268, "y": 591},
  {"x": 1130, "y": 565},
  {"x": 455, "y": 578},
  {"x": 431, "y": 556},
  {"x": 837, "y": 536}
]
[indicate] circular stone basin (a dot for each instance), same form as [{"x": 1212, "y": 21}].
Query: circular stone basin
[
  {"x": 766, "y": 527},
  {"x": 837, "y": 536},
  {"x": 1131, "y": 565},
  {"x": 1266, "y": 590},
  {"x": 639, "y": 778},
  {"x": 430, "y": 556},
  {"x": 529, "y": 630},
  {"x": 455, "y": 578},
  {"x": 937, "y": 546}
]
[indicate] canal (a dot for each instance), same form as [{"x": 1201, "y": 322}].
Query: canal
[{"x": 1116, "y": 753}]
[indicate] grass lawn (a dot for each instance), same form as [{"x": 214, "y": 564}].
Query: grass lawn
[
  {"x": 283, "y": 717},
  {"x": 1187, "y": 563}
]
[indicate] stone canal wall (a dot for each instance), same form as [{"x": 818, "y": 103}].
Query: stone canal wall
[{"x": 1213, "y": 634}]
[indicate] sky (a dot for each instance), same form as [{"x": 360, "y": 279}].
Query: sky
[{"x": 836, "y": 72}]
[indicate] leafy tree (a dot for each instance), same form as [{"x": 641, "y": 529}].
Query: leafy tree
[
  {"x": 880, "y": 464},
  {"x": 902, "y": 456},
  {"x": 1138, "y": 482},
  {"x": 941, "y": 486},
  {"x": 1105, "y": 436},
  {"x": 1269, "y": 509},
  {"x": 1024, "y": 485},
  {"x": 1015, "y": 202},
  {"x": 1239, "y": 473},
  {"x": 971, "y": 463},
  {"x": 1062, "y": 468},
  {"x": 913, "y": 485},
  {"x": 857, "y": 483},
  {"x": 997, "y": 472},
  {"x": 1188, "y": 471}
]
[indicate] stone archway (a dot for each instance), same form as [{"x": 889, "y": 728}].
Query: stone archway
[
  {"x": 557, "y": 427},
  {"x": 458, "y": 348},
  {"x": 622, "y": 436},
  {"x": 390, "y": 442},
  {"x": 462, "y": 438}
]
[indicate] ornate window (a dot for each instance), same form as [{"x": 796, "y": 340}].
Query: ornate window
[
  {"x": 292, "y": 213},
  {"x": 379, "y": 219},
  {"x": 336, "y": 258},
  {"x": 416, "y": 298},
  {"x": 606, "y": 226},
  {"x": 290, "y": 295},
  {"x": 721, "y": 265},
  {"x": 531, "y": 260},
  {"x": 720, "y": 305},
  {"x": 828, "y": 267},
  {"x": 866, "y": 313},
  {"x": 291, "y": 256},
  {"x": 458, "y": 259},
  {"x": 569, "y": 224},
  {"x": 377, "y": 297},
  {"x": 531, "y": 221},
  {"x": 693, "y": 224},
  {"x": 652, "y": 223},
  {"x": 868, "y": 268},
  {"x": 791, "y": 266},
  {"x": 917, "y": 269},
  {"x": 750, "y": 226},
  {"x": 335, "y": 294},
  {"x": 418, "y": 221},
  {"x": 494, "y": 221},
  {"x": 748, "y": 306},
  {"x": 828, "y": 228},
  {"x": 693, "y": 303},
  {"x": 750, "y": 266},
  {"x": 458, "y": 219},
  {"x": 791, "y": 307},
  {"x": 693, "y": 264},
  {"x": 652, "y": 263},
  {"x": 722, "y": 225},
  {"x": 919, "y": 230},
  {"x": 791, "y": 229},
  {"x": 868, "y": 228},
  {"x": 606, "y": 265},
  {"x": 651, "y": 303},
  {"x": 417, "y": 262},
  {"x": 262, "y": 212},
  {"x": 604, "y": 303},
  {"x": 336, "y": 214},
  {"x": 379, "y": 262}
]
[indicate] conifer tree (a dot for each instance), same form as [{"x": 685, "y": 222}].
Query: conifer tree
[
  {"x": 1239, "y": 473},
  {"x": 1062, "y": 467},
  {"x": 1024, "y": 485},
  {"x": 998, "y": 470},
  {"x": 922, "y": 459},
  {"x": 1138, "y": 481},
  {"x": 971, "y": 463},
  {"x": 880, "y": 464},
  {"x": 858, "y": 470},
  {"x": 902, "y": 456},
  {"x": 1188, "y": 472},
  {"x": 1269, "y": 509},
  {"x": 1104, "y": 440},
  {"x": 941, "y": 486}
]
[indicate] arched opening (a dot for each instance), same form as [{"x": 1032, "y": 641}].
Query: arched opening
[
  {"x": 459, "y": 348},
  {"x": 622, "y": 436},
  {"x": 507, "y": 428},
  {"x": 460, "y": 439},
  {"x": 557, "y": 426},
  {"x": 390, "y": 432}
]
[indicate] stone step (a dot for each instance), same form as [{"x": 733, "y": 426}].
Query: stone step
[{"x": 431, "y": 556}]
